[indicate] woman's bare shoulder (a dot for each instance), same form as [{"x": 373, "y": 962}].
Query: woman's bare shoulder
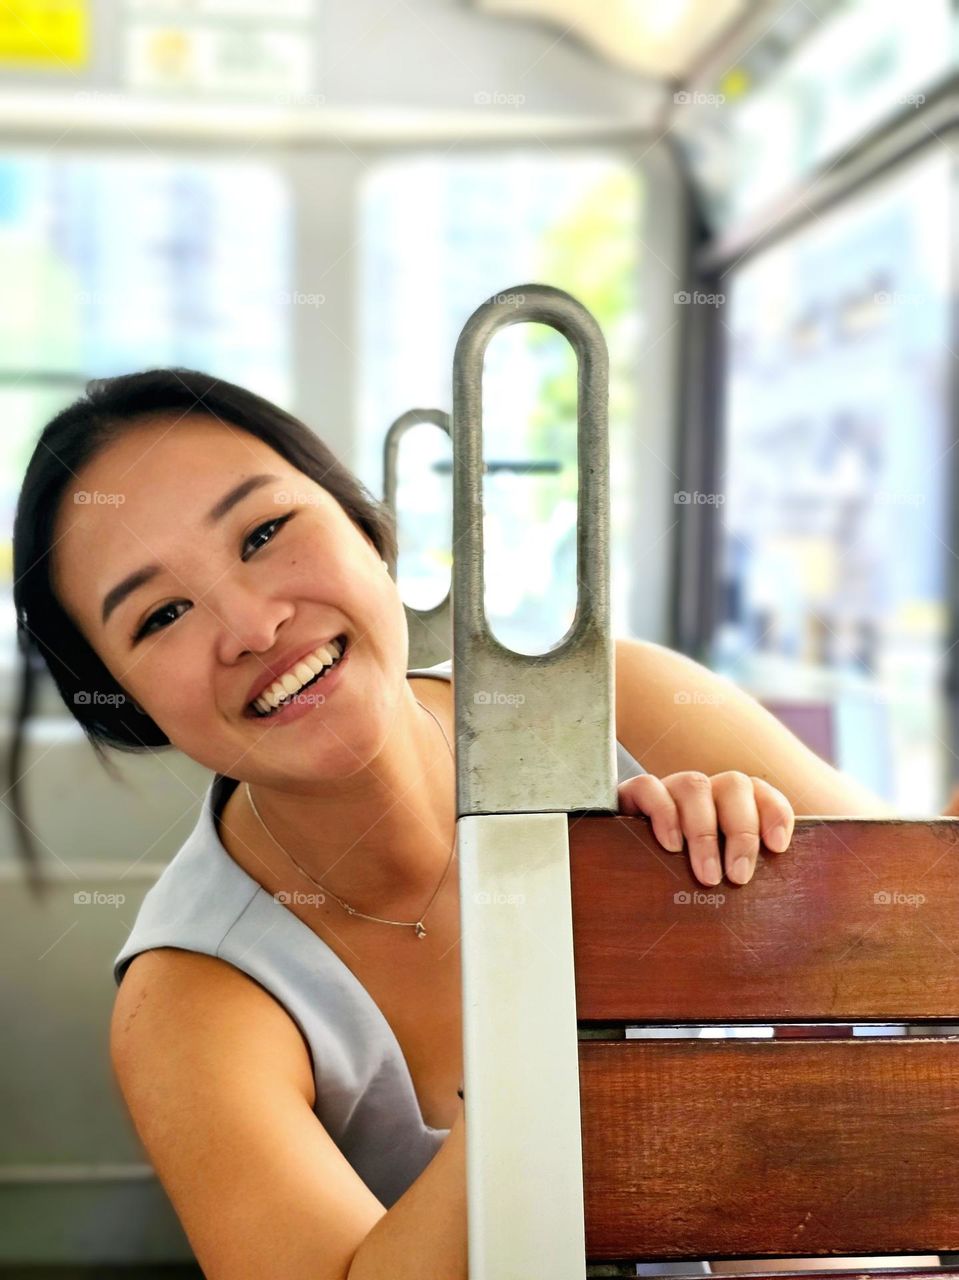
[
  {"x": 437, "y": 693},
  {"x": 169, "y": 994}
]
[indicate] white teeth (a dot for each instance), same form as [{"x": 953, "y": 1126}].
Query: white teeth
[{"x": 302, "y": 673}]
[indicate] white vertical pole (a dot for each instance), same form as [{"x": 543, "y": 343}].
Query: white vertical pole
[{"x": 521, "y": 1054}]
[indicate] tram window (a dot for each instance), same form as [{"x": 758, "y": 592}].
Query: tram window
[
  {"x": 124, "y": 263},
  {"x": 438, "y": 235},
  {"x": 834, "y": 558},
  {"x": 790, "y": 105}
]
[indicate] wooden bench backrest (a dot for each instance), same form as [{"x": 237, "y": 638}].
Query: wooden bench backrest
[{"x": 769, "y": 1147}]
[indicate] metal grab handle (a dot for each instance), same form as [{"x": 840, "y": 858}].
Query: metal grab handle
[
  {"x": 534, "y": 732},
  {"x": 430, "y": 630}
]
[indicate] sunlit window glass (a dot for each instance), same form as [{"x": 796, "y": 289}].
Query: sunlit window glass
[{"x": 439, "y": 235}]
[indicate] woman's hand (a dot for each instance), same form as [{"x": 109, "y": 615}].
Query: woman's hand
[{"x": 745, "y": 809}]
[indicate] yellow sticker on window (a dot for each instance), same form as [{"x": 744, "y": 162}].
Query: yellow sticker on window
[{"x": 47, "y": 33}]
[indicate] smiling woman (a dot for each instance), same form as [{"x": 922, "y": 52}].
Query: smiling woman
[
  {"x": 197, "y": 570},
  {"x": 89, "y": 643}
]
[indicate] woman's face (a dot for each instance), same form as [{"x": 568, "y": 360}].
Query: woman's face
[{"x": 222, "y": 604}]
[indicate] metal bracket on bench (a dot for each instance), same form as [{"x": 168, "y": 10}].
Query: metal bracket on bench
[
  {"x": 534, "y": 741},
  {"x": 536, "y": 729}
]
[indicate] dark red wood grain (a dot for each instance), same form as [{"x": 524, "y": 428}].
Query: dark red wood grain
[
  {"x": 716, "y": 1148},
  {"x": 806, "y": 939},
  {"x": 792, "y": 1147}
]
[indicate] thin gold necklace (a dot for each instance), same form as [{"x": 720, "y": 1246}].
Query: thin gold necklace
[{"x": 406, "y": 924}]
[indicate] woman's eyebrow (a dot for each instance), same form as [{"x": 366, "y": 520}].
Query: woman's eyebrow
[{"x": 140, "y": 577}]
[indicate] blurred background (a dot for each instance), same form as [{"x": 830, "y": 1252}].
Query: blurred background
[{"x": 758, "y": 201}]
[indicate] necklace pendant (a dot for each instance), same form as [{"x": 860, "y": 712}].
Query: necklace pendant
[
  {"x": 350, "y": 910},
  {"x": 420, "y": 931}
]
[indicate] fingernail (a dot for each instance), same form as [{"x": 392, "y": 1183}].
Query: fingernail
[
  {"x": 777, "y": 840},
  {"x": 712, "y": 871},
  {"x": 675, "y": 844},
  {"x": 742, "y": 870}
]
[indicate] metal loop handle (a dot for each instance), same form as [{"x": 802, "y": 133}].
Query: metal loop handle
[
  {"x": 430, "y": 630},
  {"x": 534, "y": 731}
]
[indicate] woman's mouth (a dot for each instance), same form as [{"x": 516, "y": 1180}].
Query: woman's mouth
[{"x": 257, "y": 709}]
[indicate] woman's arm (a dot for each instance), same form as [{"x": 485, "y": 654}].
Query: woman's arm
[
  {"x": 425, "y": 1231},
  {"x": 673, "y": 714}
]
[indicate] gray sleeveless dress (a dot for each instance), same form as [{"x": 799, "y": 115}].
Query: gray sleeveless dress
[{"x": 204, "y": 901}]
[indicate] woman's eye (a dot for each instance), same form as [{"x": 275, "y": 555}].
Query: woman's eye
[
  {"x": 148, "y": 625},
  {"x": 271, "y": 526}
]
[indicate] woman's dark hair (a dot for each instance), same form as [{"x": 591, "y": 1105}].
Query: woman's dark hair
[{"x": 46, "y": 636}]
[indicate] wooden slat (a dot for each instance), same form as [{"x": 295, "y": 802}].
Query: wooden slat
[
  {"x": 883, "y": 1272},
  {"x": 764, "y": 1148},
  {"x": 806, "y": 940}
]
